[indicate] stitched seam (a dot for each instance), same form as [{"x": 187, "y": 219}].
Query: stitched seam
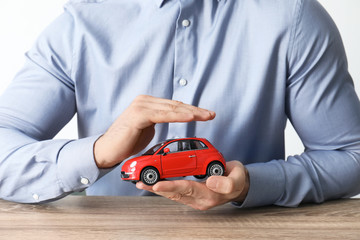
[{"x": 298, "y": 11}]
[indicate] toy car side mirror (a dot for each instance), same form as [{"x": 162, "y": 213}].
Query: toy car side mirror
[{"x": 166, "y": 151}]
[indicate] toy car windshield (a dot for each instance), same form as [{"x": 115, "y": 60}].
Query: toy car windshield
[{"x": 153, "y": 150}]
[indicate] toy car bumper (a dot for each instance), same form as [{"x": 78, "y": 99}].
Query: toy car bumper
[
  {"x": 124, "y": 174},
  {"x": 128, "y": 176}
]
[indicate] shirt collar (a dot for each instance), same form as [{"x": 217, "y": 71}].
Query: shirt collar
[{"x": 160, "y": 2}]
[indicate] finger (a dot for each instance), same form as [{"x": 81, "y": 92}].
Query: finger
[
  {"x": 178, "y": 107},
  {"x": 143, "y": 186},
  {"x": 164, "y": 116},
  {"x": 168, "y": 102},
  {"x": 232, "y": 166},
  {"x": 221, "y": 184},
  {"x": 230, "y": 184},
  {"x": 161, "y": 107},
  {"x": 175, "y": 196},
  {"x": 191, "y": 193},
  {"x": 234, "y": 169},
  {"x": 173, "y": 186},
  {"x": 182, "y": 191},
  {"x": 160, "y": 116}
]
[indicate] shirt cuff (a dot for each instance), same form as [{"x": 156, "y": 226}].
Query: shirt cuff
[
  {"x": 266, "y": 184},
  {"x": 77, "y": 169}
]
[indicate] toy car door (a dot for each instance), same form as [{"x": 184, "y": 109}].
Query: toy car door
[{"x": 180, "y": 159}]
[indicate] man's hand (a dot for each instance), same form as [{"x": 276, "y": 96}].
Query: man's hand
[
  {"x": 217, "y": 190},
  {"x": 133, "y": 130}
]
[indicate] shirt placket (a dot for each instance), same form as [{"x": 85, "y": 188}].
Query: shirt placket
[{"x": 185, "y": 60}]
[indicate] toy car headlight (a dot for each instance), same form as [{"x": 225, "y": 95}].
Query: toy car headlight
[{"x": 133, "y": 164}]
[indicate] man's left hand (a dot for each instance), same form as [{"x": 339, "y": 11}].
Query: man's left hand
[{"x": 217, "y": 190}]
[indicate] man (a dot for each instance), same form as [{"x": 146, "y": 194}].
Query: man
[{"x": 118, "y": 63}]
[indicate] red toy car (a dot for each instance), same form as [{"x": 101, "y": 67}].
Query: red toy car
[{"x": 175, "y": 158}]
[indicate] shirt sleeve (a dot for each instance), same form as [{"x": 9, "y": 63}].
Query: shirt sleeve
[
  {"x": 324, "y": 109},
  {"x": 36, "y": 105}
]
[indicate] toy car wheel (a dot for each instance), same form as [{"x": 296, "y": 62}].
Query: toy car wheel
[
  {"x": 215, "y": 169},
  {"x": 199, "y": 176},
  {"x": 149, "y": 176}
]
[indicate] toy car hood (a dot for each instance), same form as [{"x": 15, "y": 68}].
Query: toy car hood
[{"x": 137, "y": 159}]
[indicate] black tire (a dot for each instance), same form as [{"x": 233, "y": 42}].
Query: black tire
[
  {"x": 215, "y": 169},
  {"x": 199, "y": 176},
  {"x": 149, "y": 176}
]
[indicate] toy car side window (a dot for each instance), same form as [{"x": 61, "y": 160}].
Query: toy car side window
[
  {"x": 185, "y": 145},
  {"x": 173, "y": 147},
  {"x": 196, "y": 144}
]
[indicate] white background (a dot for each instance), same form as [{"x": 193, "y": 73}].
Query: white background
[{"x": 21, "y": 21}]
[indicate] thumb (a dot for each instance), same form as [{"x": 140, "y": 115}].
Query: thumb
[{"x": 221, "y": 184}]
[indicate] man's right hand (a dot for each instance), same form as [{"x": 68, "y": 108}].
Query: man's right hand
[{"x": 133, "y": 130}]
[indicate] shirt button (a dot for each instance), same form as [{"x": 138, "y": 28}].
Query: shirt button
[
  {"x": 186, "y": 23},
  {"x": 35, "y": 196},
  {"x": 183, "y": 82},
  {"x": 84, "y": 181}
]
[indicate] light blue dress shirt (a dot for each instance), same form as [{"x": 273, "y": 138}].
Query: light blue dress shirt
[{"x": 256, "y": 63}]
